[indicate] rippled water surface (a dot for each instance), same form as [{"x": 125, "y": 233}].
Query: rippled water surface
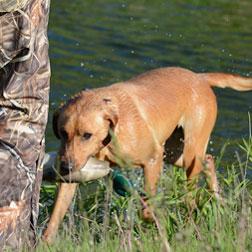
[{"x": 96, "y": 43}]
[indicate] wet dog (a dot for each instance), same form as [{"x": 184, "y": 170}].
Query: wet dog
[{"x": 135, "y": 121}]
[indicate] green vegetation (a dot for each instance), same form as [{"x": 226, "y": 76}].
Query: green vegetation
[
  {"x": 100, "y": 220},
  {"x": 97, "y": 43}
]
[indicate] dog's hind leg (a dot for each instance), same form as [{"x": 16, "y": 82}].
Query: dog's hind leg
[
  {"x": 211, "y": 175},
  {"x": 198, "y": 161},
  {"x": 197, "y": 134}
]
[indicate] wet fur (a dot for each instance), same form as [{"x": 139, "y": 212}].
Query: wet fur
[{"x": 168, "y": 110}]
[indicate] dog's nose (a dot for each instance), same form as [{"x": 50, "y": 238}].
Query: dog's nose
[{"x": 65, "y": 168}]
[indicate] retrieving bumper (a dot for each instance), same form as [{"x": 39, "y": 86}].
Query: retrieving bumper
[{"x": 93, "y": 169}]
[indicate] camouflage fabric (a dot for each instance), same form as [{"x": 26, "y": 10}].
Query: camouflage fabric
[
  {"x": 24, "y": 92},
  {"x": 12, "y": 5}
]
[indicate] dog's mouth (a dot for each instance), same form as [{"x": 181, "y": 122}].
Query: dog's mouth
[
  {"x": 93, "y": 169},
  {"x": 69, "y": 168}
]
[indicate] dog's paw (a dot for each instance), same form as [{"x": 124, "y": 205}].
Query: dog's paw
[
  {"x": 147, "y": 213},
  {"x": 48, "y": 238}
]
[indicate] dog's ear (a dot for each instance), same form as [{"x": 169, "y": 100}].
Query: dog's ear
[
  {"x": 111, "y": 113},
  {"x": 55, "y": 123},
  {"x": 108, "y": 138}
]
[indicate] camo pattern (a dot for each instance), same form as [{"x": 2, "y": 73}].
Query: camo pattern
[
  {"x": 11, "y": 5},
  {"x": 24, "y": 94}
]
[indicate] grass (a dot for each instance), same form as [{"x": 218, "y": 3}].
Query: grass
[{"x": 100, "y": 220}]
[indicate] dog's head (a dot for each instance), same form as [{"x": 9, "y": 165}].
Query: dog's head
[{"x": 83, "y": 125}]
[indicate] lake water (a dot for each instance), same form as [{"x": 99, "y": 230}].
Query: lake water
[{"x": 96, "y": 43}]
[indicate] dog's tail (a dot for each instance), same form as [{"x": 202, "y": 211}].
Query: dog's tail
[{"x": 223, "y": 80}]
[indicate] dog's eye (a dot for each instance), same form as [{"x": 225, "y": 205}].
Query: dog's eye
[{"x": 87, "y": 135}]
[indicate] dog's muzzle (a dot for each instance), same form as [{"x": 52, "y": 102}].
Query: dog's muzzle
[{"x": 65, "y": 168}]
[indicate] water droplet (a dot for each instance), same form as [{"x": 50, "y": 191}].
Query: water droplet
[{"x": 82, "y": 64}]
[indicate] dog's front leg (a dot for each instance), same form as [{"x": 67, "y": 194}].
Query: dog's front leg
[
  {"x": 64, "y": 198},
  {"x": 152, "y": 171}
]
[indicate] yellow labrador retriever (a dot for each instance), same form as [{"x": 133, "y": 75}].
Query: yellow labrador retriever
[{"x": 142, "y": 114}]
